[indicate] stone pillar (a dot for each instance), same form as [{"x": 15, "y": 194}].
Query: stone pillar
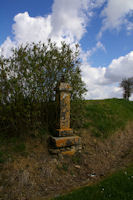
[
  {"x": 63, "y": 112},
  {"x": 64, "y": 142}
]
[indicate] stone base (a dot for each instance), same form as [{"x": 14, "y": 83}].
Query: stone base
[
  {"x": 64, "y": 132},
  {"x": 59, "y": 142},
  {"x": 64, "y": 145},
  {"x": 66, "y": 150}
]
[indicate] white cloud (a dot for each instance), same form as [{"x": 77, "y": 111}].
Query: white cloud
[
  {"x": 104, "y": 92},
  {"x": 115, "y": 14},
  {"x": 92, "y": 75},
  {"x": 120, "y": 68},
  {"x": 98, "y": 85},
  {"x": 31, "y": 29},
  {"x": 129, "y": 27},
  {"x": 99, "y": 45},
  {"x": 5, "y": 48},
  {"x": 95, "y": 81},
  {"x": 69, "y": 18},
  {"x": 103, "y": 82},
  {"x": 27, "y": 29},
  {"x": 95, "y": 3}
]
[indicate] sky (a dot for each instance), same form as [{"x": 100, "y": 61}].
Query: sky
[{"x": 102, "y": 28}]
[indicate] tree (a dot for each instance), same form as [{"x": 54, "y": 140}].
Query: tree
[
  {"x": 28, "y": 79},
  {"x": 34, "y": 70},
  {"x": 127, "y": 85}
]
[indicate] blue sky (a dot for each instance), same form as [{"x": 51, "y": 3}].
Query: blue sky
[{"x": 103, "y": 28}]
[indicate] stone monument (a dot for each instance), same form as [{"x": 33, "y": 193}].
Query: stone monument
[{"x": 64, "y": 142}]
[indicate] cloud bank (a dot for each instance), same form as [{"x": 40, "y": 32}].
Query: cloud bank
[{"x": 103, "y": 82}]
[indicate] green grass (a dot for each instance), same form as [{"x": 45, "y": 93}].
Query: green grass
[
  {"x": 104, "y": 117},
  {"x": 118, "y": 186}
]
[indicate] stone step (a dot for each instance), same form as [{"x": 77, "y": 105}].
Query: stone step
[
  {"x": 62, "y": 151},
  {"x": 64, "y": 132},
  {"x": 66, "y": 150},
  {"x": 59, "y": 142}
]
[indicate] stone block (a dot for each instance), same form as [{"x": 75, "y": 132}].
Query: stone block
[
  {"x": 68, "y": 152},
  {"x": 60, "y": 142},
  {"x": 64, "y": 132},
  {"x": 54, "y": 151},
  {"x": 63, "y": 87}
]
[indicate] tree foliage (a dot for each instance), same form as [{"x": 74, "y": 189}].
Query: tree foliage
[
  {"x": 127, "y": 85},
  {"x": 28, "y": 79}
]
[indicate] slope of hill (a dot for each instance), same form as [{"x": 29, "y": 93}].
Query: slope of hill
[
  {"x": 29, "y": 172},
  {"x": 115, "y": 187},
  {"x": 105, "y": 117}
]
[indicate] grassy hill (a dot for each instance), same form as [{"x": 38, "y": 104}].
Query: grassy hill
[
  {"x": 105, "y": 117},
  {"x": 28, "y": 171}
]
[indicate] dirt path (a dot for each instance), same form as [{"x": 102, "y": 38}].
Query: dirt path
[{"x": 41, "y": 176}]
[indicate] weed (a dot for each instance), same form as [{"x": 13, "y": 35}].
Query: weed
[
  {"x": 72, "y": 173},
  {"x": 65, "y": 167},
  {"x": 58, "y": 167},
  {"x": 76, "y": 159}
]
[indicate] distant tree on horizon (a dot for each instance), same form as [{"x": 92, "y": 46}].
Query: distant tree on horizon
[{"x": 127, "y": 85}]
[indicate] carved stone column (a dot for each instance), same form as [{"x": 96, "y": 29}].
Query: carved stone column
[
  {"x": 63, "y": 111},
  {"x": 64, "y": 142}
]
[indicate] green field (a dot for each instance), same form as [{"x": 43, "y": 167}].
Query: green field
[
  {"x": 104, "y": 117},
  {"x": 118, "y": 186}
]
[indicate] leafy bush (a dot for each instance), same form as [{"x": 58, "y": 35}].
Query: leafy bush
[{"x": 27, "y": 85}]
